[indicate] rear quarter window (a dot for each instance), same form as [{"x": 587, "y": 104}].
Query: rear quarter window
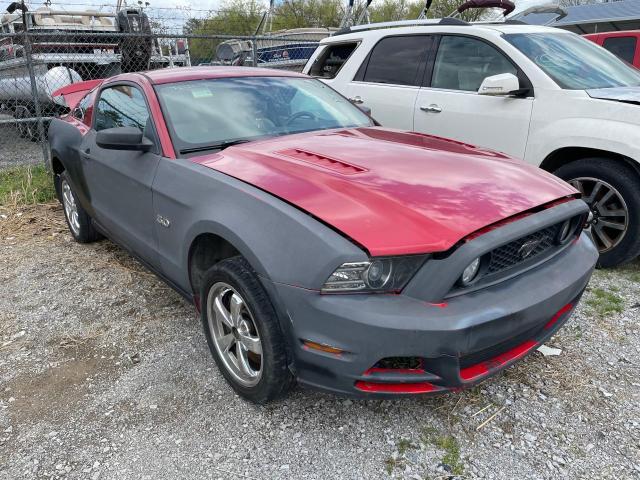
[
  {"x": 331, "y": 60},
  {"x": 397, "y": 60}
]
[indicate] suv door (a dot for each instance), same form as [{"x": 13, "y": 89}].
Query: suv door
[
  {"x": 389, "y": 79},
  {"x": 119, "y": 181},
  {"x": 449, "y": 105}
]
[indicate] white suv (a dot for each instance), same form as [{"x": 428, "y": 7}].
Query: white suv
[{"x": 541, "y": 94}]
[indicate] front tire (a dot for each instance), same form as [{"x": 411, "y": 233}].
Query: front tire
[
  {"x": 612, "y": 191},
  {"x": 78, "y": 220},
  {"x": 243, "y": 332}
]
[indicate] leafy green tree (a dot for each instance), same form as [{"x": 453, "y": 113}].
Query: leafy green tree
[{"x": 242, "y": 17}]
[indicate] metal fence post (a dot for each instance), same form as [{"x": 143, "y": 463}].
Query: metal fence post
[
  {"x": 36, "y": 99},
  {"x": 254, "y": 51}
]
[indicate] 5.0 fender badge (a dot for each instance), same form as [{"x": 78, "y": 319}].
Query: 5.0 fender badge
[{"x": 163, "y": 221}]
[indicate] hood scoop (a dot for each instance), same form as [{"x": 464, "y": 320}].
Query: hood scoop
[{"x": 323, "y": 161}]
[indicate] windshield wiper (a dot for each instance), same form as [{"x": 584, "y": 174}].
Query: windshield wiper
[{"x": 215, "y": 146}]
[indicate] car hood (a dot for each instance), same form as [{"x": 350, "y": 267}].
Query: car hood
[
  {"x": 618, "y": 94},
  {"x": 390, "y": 191}
]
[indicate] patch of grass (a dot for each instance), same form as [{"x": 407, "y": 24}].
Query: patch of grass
[
  {"x": 604, "y": 302},
  {"x": 26, "y": 185},
  {"x": 451, "y": 447},
  {"x": 404, "y": 445},
  {"x": 449, "y": 444},
  {"x": 391, "y": 464},
  {"x": 632, "y": 273}
]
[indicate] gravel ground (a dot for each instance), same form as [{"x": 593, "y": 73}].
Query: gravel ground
[
  {"x": 15, "y": 150},
  {"x": 105, "y": 373}
]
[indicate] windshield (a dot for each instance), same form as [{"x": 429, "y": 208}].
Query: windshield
[
  {"x": 573, "y": 62},
  {"x": 207, "y": 114}
]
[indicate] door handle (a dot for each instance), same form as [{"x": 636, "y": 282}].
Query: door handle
[
  {"x": 433, "y": 108},
  {"x": 357, "y": 100}
]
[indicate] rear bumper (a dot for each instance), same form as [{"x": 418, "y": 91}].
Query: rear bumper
[{"x": 459, "y": 343}]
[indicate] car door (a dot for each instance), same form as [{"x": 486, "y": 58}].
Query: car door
[
  {"x": 449, "y": 104},
  {"x": 388, "y": 81},
  {"x": 119, "y": 181}
]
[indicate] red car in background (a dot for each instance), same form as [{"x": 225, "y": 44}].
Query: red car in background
[{"x": 623, "y": 44}]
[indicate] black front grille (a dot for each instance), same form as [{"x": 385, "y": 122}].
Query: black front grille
[{"x": 523, "y": 249}]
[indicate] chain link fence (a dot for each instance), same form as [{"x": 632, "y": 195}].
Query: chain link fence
[{"x": 36, "y": 64}]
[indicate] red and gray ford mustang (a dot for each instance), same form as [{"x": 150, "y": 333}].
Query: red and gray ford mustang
[{"x": 317, "y": 246}]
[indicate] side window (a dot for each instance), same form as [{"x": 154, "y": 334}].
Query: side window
[
  {"x": 121, "y": 106},
  {"x": 398, "y": 60},
  {"x": 331, "y": 60},
  {"x": 622, "y": 47},
  {"x": 462, "y": 63}
]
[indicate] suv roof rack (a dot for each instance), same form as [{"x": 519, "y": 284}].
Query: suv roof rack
[
  {"x": 402, "y": 23},
  {"x": 452, "y": 21}
]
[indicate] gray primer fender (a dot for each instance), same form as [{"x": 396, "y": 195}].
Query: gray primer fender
[
  {"x": 65, "y": 141},
  {"x": 282, "y": 243}
]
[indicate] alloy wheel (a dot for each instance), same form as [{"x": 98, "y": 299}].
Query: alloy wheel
[
  {"x": 70, "y": 208},
  {"x": 610, "y": 219},
  {"x": 234, "y": 334}
]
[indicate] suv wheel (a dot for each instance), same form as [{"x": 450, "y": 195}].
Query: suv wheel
[
  {"x": 243, "y": 332},
  {"x": 612, "y": 191}
]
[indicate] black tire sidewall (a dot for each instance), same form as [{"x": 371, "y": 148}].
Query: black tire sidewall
[
  {"x": 87, "y": 232},
  {"x": 276, "y": 378},
  {"x": 624, "y": 179}
]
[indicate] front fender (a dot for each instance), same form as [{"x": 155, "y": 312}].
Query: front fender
[
  {"x": 282, "y": 243},
  {"x": 65, "y": 141},
  {"x": 582, "y": 122}
]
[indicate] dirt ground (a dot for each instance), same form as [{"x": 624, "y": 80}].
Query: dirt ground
[{"x": 105, "y": 373}]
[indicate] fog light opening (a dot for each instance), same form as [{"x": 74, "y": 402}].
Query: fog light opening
[{"x": 400, "y": 363}]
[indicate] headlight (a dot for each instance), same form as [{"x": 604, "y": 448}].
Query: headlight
[
  {"x": 389, "y": 274},
  {"x": 470, "y": 273}
]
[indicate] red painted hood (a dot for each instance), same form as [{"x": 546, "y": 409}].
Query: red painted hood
[{"x": 392, "y": 192}]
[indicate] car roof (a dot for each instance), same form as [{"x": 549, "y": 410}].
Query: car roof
[
  {"x": 185, "y": 74},
  {"x": 433, "y": 26}
]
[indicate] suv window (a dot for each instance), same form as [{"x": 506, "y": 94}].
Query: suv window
[
  {"x": 398, "y": 60},
  {"x": 462, "y": 63},
  {"x": 121, "y": 106},
  {"x": 621, "y": 47},
  {"x": 331, "y": 60}
]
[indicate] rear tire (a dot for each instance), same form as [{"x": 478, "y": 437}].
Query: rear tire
[
  {"x": 612, "y": 191},
  {"x": 78, "y": 220},
  {"x": 243, "y": 332}
]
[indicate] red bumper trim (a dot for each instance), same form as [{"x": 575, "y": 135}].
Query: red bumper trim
[
  {"x": 421, "y": 387},
  {"x": 557, "y": 316},
  {"x": 483, "y": 368}
]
